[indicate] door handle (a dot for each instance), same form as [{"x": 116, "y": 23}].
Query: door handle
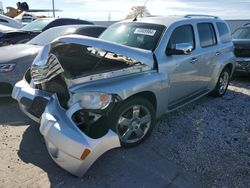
[
  {"x": 217, "y": 53},
  {"x": 194, "y": 60}
]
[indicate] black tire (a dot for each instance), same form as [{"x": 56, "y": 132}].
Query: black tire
[
  {"x": 134, "y": 125},
  {"x": 222, "y": 85}
]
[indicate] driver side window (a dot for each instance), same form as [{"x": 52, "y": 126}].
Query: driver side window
[{"x": 182, "y": 34}]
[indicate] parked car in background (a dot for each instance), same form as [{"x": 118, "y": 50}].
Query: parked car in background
[
  {"x": 98, "y": 94},
  {"x": 4, "y": 28},
  {"x": 25, "y": 18},
  {"x": 241, "y": 40},
  {"x": 34, "y": 28},
  {"x": 16, "y": 59},
  {"x": 10, "y": 22}
]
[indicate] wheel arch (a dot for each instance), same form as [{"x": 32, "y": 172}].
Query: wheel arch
[
  {"x": 218, "y": 70},
  {"x": 148, "y": 95},
  {"x": 230, "y": 67}
]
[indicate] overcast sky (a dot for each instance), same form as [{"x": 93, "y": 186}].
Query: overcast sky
[{"x": 118, "y": 9}]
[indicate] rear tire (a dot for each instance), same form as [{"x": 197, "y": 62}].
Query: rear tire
[
  {"x": 133, "y": 120},
  {"x": 222, "y": 84}
]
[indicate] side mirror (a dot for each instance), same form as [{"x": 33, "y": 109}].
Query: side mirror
[{"x": 180, "y": 49}]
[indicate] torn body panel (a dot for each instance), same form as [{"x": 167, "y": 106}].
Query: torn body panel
[
  {"x": 68, "y": 146},
  {"x": 143, "y": 56},
  {"x": 78, "y": 57}
]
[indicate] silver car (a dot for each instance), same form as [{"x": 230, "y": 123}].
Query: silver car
[{"x": 91, "y": 95}]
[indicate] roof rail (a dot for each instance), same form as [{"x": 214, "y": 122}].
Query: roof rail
[{"x": 200, "y": 15}]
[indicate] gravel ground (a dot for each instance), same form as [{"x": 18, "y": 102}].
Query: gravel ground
[{"x": 205, "y": 144}]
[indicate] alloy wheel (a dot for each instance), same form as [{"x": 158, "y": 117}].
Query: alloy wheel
[
  {"x": 134, "y": 123},
  {"x": 223, "y": 82}
]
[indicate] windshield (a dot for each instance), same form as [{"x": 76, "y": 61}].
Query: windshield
[
  {"x": 139, "y": 35},
  {"x": 242, "y": 33},
  {"x": 36, "y": 25},
  {"x": 49, "y": 35}
]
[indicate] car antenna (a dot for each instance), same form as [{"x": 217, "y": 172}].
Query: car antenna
[{"x": 135, "y": 19}]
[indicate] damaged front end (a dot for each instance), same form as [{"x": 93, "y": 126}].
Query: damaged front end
[
  {"x": 75, "y": 124},
  {"x": 68, "y": 145}
]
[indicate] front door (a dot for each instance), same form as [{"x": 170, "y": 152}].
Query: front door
[{"x": 184, "y": 75}]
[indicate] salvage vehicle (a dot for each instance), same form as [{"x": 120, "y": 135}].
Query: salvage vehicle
[
  {"x": 92, "y": 95},
  {"x": 29, "y": 31},
  {"x": 16, "y": 59},
  {"x": 4, "y": 28},
  {"x": 10, "y": 22},
  {"x": 241, "y": 40}
]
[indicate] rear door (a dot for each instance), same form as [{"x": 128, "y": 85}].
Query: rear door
[{"x": 209, "y": 52}]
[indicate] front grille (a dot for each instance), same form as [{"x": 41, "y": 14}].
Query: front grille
[
  {"x": 242, "y": 52},
  {"x": 48, "y": 77},
  {"x": 43, "y": 73},
  {"x": 245, "y": 65}
]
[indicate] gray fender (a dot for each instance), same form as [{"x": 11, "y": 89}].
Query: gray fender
[{"x": 127, "y": 86}]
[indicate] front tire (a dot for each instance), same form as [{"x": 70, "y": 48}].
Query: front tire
[
  {"x": 222, "y": 84},
  {"x": 133, "y": 120}
]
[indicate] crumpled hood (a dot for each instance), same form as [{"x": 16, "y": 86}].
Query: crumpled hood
[
  {"x": 12, "y": 52},
  {"x": 78, "y": 56},
  {"x": 144, "y": 56}
]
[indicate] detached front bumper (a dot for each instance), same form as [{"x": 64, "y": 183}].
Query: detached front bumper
[
  {"x": 68, "y": 146},
  {"x": 243, "y": 64},
  {"x": 31, "y": 101}
]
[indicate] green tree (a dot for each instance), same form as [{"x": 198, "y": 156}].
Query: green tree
[{"x": 138, "y": 11}]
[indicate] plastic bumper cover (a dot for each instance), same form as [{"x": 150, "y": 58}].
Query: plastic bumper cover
[
  {"x": 31, "y": 101},
  {"x": 68, "y": 146}
]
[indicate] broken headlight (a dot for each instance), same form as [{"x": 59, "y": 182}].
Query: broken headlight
[{"x": 92, "y": 100}]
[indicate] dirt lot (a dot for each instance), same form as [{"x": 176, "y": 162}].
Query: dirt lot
[{"x": 205, "y": 144}]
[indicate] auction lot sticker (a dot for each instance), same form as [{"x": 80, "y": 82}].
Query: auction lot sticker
[{"x": 143, "y": 31}]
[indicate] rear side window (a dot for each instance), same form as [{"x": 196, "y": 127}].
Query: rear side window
[
  {"x": 206, "y": 35},
  {"x": 224, "y": 32},
  {"x": 182, "y": 34}
]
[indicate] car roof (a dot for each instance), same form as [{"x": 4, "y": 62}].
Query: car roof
[
  {"x": 7, "y": 18},
  {"x": 79, "y": 26},
  {"x": 167, "y": 20},
  {"x": 4, "y": 28}
]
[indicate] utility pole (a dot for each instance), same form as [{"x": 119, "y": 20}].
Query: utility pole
[
  {"x": 109, "y": 17},
  {"x": 53, "y": 5}
]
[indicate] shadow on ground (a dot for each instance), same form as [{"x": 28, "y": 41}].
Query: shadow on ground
[{"x": 10, "y": 113}]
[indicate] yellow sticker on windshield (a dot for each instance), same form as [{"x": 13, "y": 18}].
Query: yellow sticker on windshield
[{"x": 143, "y": 31}]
